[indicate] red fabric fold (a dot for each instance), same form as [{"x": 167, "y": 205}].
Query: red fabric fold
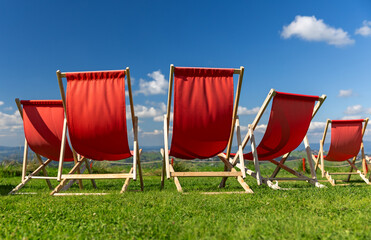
[
  {"x": 288, "y": 124},
  {"x": 203, "y": 109},
  {"x": 96, "y": 114},
  {"x": 43, "y": 128},
  {"x": 346, "y": 139},
  {"x": 42, "y": 102}
]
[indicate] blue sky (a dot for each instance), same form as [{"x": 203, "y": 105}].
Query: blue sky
[{"x": 307, "y": 47}]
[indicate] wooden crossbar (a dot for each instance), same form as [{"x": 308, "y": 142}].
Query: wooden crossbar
[
  {"x": 98, "y": 176},
  {"x": 343, "y": 173},
  {"x": 43, "y": 177},
  {"x": 205, "y": 174},
  {"x": 288, "y": 179},
  {"x": 78, "y": 194}
]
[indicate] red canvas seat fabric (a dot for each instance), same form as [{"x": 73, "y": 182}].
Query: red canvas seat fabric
[
  {"x": 96, "y": 114},
  {"x": 43, "y": 128},
  {"x": 288, "y": 124},
  {"x": 203, "y": 111},
  {"x": 346, "y": 139}
]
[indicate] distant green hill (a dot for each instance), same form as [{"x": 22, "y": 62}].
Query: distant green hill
[{"x": 150, "y": 153}]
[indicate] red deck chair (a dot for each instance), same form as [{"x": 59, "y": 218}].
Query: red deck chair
[
  {"x": 43, "y": 127},
  {"x": 346, "y": 142},
  {"x": 287, "y": 127},
  {"x": 96, "y": 120},
  {"x": 204, "y": 119}
]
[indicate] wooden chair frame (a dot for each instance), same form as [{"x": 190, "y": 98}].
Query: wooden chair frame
[
  {"x": 320, "y": 161},
  {"x": 367, "y": 166},
  {"x": 64, "y": 178},
  {"x": 229, "y": 170},
  {"x": 41, "y": 167},
  {"x": 280, "y": 165}
]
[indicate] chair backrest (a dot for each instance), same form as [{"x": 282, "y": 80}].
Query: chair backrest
[
  {"x": 96, "y": 115},
  {"x": 203, "y": 112},
  {"x": 43, "y": 128},
  {"x": 288, "y": 124},
  {"x": 346, "y": 139}
]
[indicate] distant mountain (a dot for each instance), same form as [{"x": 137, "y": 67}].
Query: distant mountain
[{"x": 11, "y": 153}]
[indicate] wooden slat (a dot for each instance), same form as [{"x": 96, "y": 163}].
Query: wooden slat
[
  {"x": 343, "y": 173},
  {"x": 288, "y": 179},
  {"x": 43, "y": 177},
  {"x": 97, "y": 176},
  {"x": 206, "y": 174},
  {"x": 78, "y": 194},
  {"x": 217, "y": 193}
]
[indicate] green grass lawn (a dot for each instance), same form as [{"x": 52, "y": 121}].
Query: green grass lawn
[{"x": 342, "y": 212}]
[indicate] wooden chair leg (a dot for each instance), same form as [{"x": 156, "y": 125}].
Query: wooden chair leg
[
  {"x": 65, "y": 181},
  {"x": 312, "y": 181},
  {"x": 359, "y": 172},
  {"x": 309, "y": 157},
  {"x": 90, "y": 172},
  {"x": 176, "y": 180},
  {"x": 224, "y": 179},
  {"x": 163, "y": 172},
  {"x": 242, "y": 183},
  {"x": 140, "y": 173},
  {"x": 351, "y": 168},
  {"x": 127, "y": 182},
  {"x": 25, "y": 159},
  {"x": 81, "y": 186},
  {"x": 255, "y": 157},
  {"x": 29, "y": 177},
  {"x": 278, "y": 168},
  {"x": 329, "y": 178},
  {"x": 229, "y": 166},
  {"x": 44, "y": 171},
  {"x": 316, "y": 161}
]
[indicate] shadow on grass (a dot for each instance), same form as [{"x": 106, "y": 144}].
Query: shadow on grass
[{"x": 5, "y": 189}]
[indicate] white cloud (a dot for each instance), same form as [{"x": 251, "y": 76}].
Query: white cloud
[
  {"x": 8, "y": 108},
  {"x": 10, "y": 122},
  {"x": 245, "y": 111},
  {"x": 158, "y": 118},
  {"x": 313, "y": 29},
  {"x": 356, "y": 112},
  {"x": 1, "y": 103},
  {"x": 352, "y": 110},
  {"x": 156, "y": 111},
  {"x": 158, "y": 85},
  {"x": 259, "y": 129},
  {"x": 153, "y": 133},
  {"x": 345, "y": 93},
  {"x": 365, "y": 30},
  {"x": 352, "y": 117},
  {"x": 161, "y": 117},
  {"x": 316, "y": 127}
]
